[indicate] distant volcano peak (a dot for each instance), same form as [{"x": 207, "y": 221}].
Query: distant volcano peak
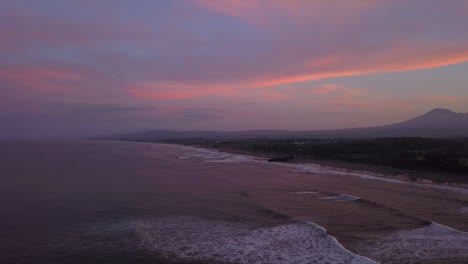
[
  {"x": 440, "y": 111},
  {"x": 439, "y": 122}
]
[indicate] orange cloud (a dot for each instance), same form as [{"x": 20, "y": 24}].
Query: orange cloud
[
  {"x": 299, "y": 57},
  {"x": 397, "y": 60},
  {"x": 397, "y": 57},
  {"x": 326, "y": 93},
  {"x": 297, "y": 41}
]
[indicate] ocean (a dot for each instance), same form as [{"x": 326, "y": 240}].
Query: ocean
[{"x": 126, "y": 202}]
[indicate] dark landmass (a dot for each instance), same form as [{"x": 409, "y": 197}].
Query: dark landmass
[
  {"x": 282, "y": 159},
  {"x": 438, "y": 159},
  {"x": 439, "y": 123},
  {"x": 435, "y": 143}
]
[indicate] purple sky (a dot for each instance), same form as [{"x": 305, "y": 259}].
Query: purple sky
[{"x": 81, "y": 68}]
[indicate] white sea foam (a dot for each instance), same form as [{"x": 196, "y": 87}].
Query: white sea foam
[
  {"x": 191, "y": 239},
  {"x": 312, "y": 168},
  {"x": 217, "y": 157},
  {"x": 341, "y": 197},
  {"x": 435, "y": 242},
  {"x": 306, "y": 192},
  {"x": 231, "y": 159}
]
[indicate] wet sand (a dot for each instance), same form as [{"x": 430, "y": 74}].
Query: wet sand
[
  {"x": 381, "y": 170},
  {"x": 373, "y": 209}
]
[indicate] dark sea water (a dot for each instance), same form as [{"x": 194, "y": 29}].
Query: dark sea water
[{"x": 122, "y": 202}]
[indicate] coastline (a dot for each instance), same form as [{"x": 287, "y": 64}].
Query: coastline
[
  {"x": 381, "y": 213},
  {"x": 364, "y": 241},
  {"x": 407, "y": 175}
]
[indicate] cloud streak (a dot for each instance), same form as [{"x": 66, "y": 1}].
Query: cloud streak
[
  {"x": 98, "y": 108},
  {"x": 123, "y": 56},
  {"x": 292, "y": 42}
]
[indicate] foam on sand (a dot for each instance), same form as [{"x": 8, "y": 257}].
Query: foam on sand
[
  {"x": 341, "y": 197},
  {"x": 223, "y": 157},
  {"x": 306, "y": 192},
  {"x": 192, "y": 238},
  {"x": 230, "y": 159},
  {"x": 432, "y": 242},
  {"x": 213, "y": 156},
  {"x": 312, "y": 168}
]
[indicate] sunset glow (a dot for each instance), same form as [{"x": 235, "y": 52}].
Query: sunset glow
[{"x": 247, "y": 61}]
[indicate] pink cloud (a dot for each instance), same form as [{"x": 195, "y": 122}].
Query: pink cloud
[
  {"x": 44, "y": 79},
  {"x": 265, "y": 12},
  {"x": 163, "y": 90},
  {"x": 393, "y": 59},
  {"x": 292, "y": 41}
]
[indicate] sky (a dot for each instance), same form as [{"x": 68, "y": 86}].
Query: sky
[{"x": 85, "y": 68}]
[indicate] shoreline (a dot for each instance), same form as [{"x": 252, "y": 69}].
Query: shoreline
[
  {"x": 386, "y": 172},
  {"x": 410, "y": 174},
  {"x": 358, "y": 242},
  {"x": 360, "y": 225}
]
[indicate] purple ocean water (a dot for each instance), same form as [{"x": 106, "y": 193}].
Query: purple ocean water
[{"x": 122, "y": 202}]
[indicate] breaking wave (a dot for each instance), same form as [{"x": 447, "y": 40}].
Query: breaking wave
[
  {"x": 196, "y": 239},
  {"x": 431, "y": 242}
]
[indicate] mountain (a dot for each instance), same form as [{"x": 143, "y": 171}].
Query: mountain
[{"x": 436, "y": 123}]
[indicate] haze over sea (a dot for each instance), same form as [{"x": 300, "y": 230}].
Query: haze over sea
[
  {"x": 339, "y": 83},
  {"x": 123, "y": 202}
]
